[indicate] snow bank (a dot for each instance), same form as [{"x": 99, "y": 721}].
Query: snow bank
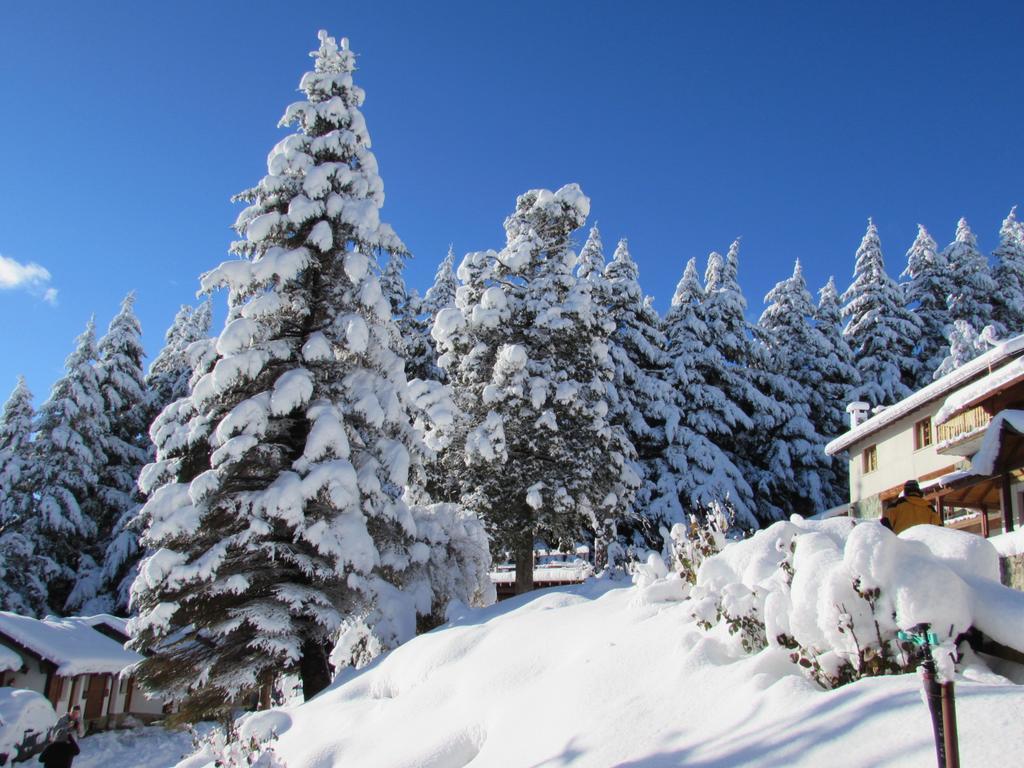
[
  {"x": 21, "y": 711},
  {"x": 1009, "y": 544},
  {"x": 153, "y": 747},
  {"x": 584, "y": 676}
]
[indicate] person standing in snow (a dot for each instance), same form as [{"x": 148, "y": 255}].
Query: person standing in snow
[
  {"x": 910, "y": 509},
  {"x": 69, "y": 724},
  {"x": 60, "y": 753}
]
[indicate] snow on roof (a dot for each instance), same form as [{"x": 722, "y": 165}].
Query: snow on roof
[
  {"x": 843, "y": 510},
  {"x": 9, "y": 660},
  {"x": 933, "y": 391},
  {"x": 972, "y": 393},
  {"x": 72, "y": 644},
  {"x": 116, "y": 623}
]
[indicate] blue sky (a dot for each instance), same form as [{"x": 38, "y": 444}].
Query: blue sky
[{"x": 126, "y": 129}]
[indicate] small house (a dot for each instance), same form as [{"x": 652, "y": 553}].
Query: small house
[
  {"x": 77, "y": 660},
  {"x": 961, "y": 437}
]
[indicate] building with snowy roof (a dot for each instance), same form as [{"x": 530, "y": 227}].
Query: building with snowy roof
[
  {"x": 961, "y": 437},
  {"x": 76, "y": 660}
]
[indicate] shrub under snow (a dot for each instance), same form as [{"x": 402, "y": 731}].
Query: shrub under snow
[{"x": 835, "y": 593}]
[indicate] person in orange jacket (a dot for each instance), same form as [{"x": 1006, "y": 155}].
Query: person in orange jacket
[{"x": 910, "y": 509}]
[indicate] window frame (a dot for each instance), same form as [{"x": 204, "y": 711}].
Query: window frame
[
  {"x": 919, "y": 432},
  {"x": 869, "y": 459}
]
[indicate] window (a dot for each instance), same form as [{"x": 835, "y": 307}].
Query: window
[
  {"x": 922, "y": 434},
  {"x": 869, "y": 459}
]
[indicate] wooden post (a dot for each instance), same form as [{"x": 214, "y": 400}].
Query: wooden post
[
  {"x": 984, "y": 521},
  {"x": 1006, "y": 501}
]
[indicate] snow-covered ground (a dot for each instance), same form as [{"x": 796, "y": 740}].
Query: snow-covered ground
[
  {"x": 610, "y": 674},
  {"x": 152, "y": 747}
]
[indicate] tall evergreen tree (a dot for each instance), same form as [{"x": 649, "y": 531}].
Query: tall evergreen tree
[
  {"x": 15, "y": 454},
  {"x": 276, "y": 508},
  {"x": 534, "y": 454},
  {"x": 973, "y": 286},
  {"x": 70, "y": 451},
  {"x": 421, "y": 360},
  {"x": 880, "y": 330},
  {"x": 170, "y": 371},
  {"x": 839, "y": 376},
  {"x": 740, "y": 374},
  {"x": 591, "y": 260},
  {"x": 697, "y": 470},
  {"x": 442, "y": 293},
  {"x": 405, "y": 306},
  {"x": 107, "y": 561},
  {"x": 926, "y": 293},
  {"x": 23, "y": 574},
  {"x": 794, "y": 352},
  {"x": 1008, "y": 274}
]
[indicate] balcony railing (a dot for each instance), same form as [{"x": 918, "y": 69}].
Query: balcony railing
[{"x": 961, "y": 425}]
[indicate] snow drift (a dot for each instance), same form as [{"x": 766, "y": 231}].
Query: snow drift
[{"x": 609, "y": 674}]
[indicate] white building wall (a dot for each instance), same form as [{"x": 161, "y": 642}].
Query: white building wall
[{"x": 897, "y": 459}]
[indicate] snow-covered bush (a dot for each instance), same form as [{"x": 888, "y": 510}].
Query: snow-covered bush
[
  {"x": 689, "y": 546},
  {"x": 834, "y": 594},
  {"x": 23, "y": 714},
  {"x": 230, "y": 746}
]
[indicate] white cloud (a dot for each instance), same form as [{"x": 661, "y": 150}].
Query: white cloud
[{"x": 31, "y": 277}]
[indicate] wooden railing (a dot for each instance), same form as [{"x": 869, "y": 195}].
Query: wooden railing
[{"x": 963, "y": 423}]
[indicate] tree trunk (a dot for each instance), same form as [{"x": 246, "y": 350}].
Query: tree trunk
[
  {"x": 524, "y": 563},
  {"x": 266, "y": 689},
  {"x": 313, "y": 669}
]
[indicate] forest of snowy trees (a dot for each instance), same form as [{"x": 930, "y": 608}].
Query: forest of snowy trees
[{"x": 320, "y": 480}]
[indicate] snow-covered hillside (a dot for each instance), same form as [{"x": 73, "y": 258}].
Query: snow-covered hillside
[{"x": 608, "y": 673}]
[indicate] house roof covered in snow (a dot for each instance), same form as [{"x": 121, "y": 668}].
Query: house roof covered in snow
[
  {"x": 940, "y": 388},
  {"x": 9, "y": 660},
  {"x": 72, "y": 644}
]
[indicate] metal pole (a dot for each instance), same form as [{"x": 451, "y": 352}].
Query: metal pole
[
  {"x": 949, "y": 725},
  {"x": 933, "y": 697}
]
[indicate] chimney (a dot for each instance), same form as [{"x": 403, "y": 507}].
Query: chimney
[{"x": 858, "y": 413}]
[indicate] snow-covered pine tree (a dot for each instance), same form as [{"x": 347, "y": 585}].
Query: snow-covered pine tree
[
  {"x": 1008, "y": 274},
  {"x": 171, "y": 370},
  {"x": 276, "y": 504},
  {"x": 15, "y": 454},
  {"x": 636, "y": 347},
  {"x": 591, "y": 260},
  {"x": 973, "y": 286},
  {"x": 880, "y": 330},
  {"x": 105, "y": 573},
  {"x": 23, "y": 575},
  {"x": 405, "y": 306},
  {"x": 421, "y": 354},
  {"x": 965, "y": 344},
  {"x": 839, "y": 376},
  {"x": 697, "y": 471},
  {"x": 794, "y": 350},
  {"x": 741, "y": 375},
  {"x": 926, "y": 292},
  {"x": 442, "y": 293},
  {"x": 534, "y": 453},
  {"x": 590, "y": 268},
  {"x": 69, "y": 453}
]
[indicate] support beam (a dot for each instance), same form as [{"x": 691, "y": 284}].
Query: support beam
[
  {"x": 984, "y": 521},
  {"x": 1006, "y": 502}
]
